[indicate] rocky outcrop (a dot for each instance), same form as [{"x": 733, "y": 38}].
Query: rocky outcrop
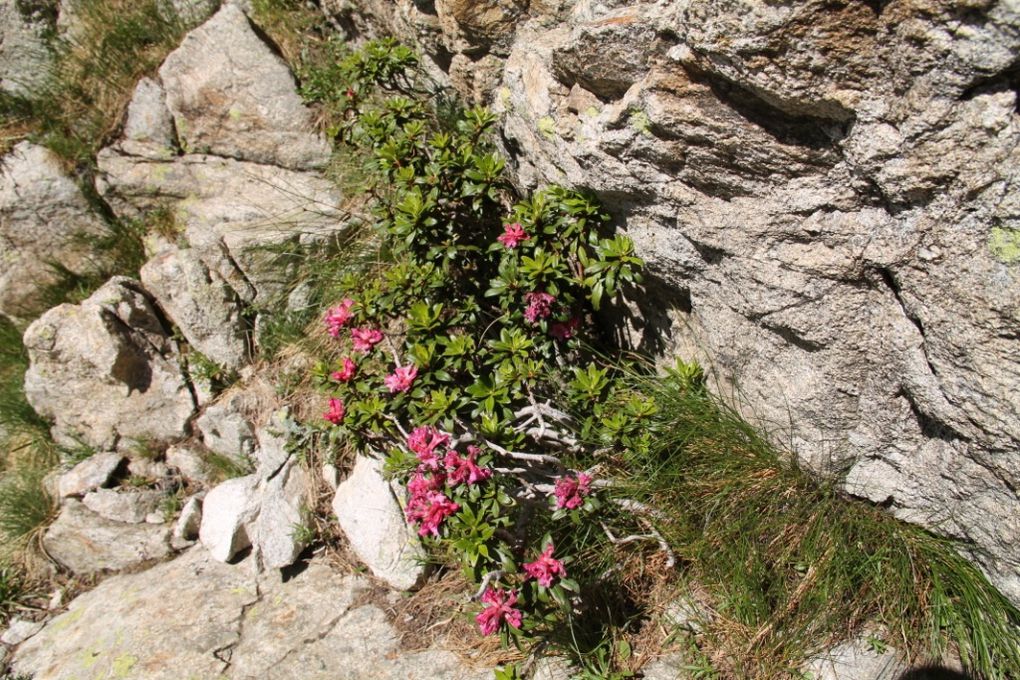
[
  {"x": 827, "y": 199},
  {"x": 224, "y": 621},
  {"x": 107, "y": 372},
  {"x": 44, "y": 222},
  {"x": 223, "y": 139}
]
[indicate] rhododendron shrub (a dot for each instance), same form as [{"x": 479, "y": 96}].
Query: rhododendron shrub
[{"x": 454, "y": 366}]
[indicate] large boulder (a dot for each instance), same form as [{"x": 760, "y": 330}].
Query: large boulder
[
  {"x": 202, "y": 305},
  {"x": 232, "y": 96},
  {"x": 366, "y": 507},
  {"x": 827, "y": 199},
  {"x": 44, "y": 220},
  {"x": 106, "y": 371}
]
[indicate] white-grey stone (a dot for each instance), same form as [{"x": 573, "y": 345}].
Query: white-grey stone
[
  {"x": 186, "y": 528},
  {"x": 686, "y": 613},
  {"x": 106, "y": 371},
  {"x": 553, "y": 668},
  {"x": 43, "y": 219},
  {"x": 232, "y": 96},
  {"x": 856, "y": 660},
  {"x": 225, "y": 430},
  {"x": 25, "y": 60},
  {"x": 238, "y": 216},
  {"x": 331, "y": 475},
  {"x": 228, "y": 512},
  {"x": 148, "y": 118},
  {"x": 19, "y": 630},
  {"x": 189, "y": 462},
  {"x": 203, "y": 306},
  {"x": 366, "y": 508},
  {"x": 668, "y": 667},
  {"x": 132, "y": 507},
  {"x": 277, "y": 533},
  {"x": 85, "y": 543},
  {"x": 156, "y": 517},
  {"x": 272, "y": 453},
  {"x": 92, "y": 473},
  {"x": 143, "y": 466}
]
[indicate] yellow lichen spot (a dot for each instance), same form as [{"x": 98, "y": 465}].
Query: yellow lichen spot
[
  {"x": 1005, "y": 244},
  {"x": 68, "y": 619},
  {"x": 123, "y": 664},
  {"x": 547, "y": 126},
  {"x": 591, "y": 112},
  {"x": 89, "y": 658},
  {"x": 639, "y": 121},
  {"x": 235, "y": 114},
  {"x": 504, "y": 95}
]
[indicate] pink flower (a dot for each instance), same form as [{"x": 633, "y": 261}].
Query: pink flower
[
  {"x": 420, "y": 484},
  {"x": 512, "y": 235},
  {"x": 465, "y": 470},
  {"x": 565, "y": 330},
  {"x": 345, "y": 373},
  {"x": 539, "y": 306},
  {"x": 570, "y": 491},
  {"x": 336, "y": 411},
  {"x": 424, "y": 441},
  {"x": 429, "y": 509},
  {"x": 499, "y": 608},
  {"x": 337, "y": 317},
  {"x": 401, "y": 379},
  {"x": 545, "y": 568},
  {"x": 365, "y": 339}
]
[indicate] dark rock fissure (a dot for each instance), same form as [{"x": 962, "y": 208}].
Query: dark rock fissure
[{"x": 812, "y": 132}]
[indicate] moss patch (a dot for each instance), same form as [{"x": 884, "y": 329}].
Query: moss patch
[{"x": 1005, "y": 244}]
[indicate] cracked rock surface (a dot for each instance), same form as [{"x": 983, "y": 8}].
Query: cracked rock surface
[
  {"x": 828, "y": 201},
  {"x": 196, "y": 617}
]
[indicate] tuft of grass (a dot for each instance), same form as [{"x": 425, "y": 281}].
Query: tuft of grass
[
  {"x": 295, "y": 27},
  {"x": 796, "y": 566},
  {"x": 94, "y": 73},
  {"x": 26, "y": 507}
]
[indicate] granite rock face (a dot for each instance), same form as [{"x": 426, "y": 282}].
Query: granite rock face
[
  {"x": 107, "y": 372},
  {"x": 43, "y": 217},
  {"x": 827, "y": 198}
]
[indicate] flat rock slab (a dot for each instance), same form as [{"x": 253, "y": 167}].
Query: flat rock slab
[
  {"x": 195, "y": 617},
  {"x": 85, "y": 543},
  {"x": 164, "y": 623}
]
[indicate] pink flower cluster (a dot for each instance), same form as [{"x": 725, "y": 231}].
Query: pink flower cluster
[
  {"x": 570, "y": 491},
  {"x": 364, "y": 339},
  {"x": 499, "y": 608},
  {"x": 338, "y": 317},
  {"x": 428, "y": 506},
  {"x": 346, "y": 372},
  {"x": 500, "y": 603},
  {"x": 336, "y": 411},
  {"x": 512, "y": 235},
  {"x": 539, "y": 306},
  {"x": 545, "y": 568},
  {"x": 401, "y": 379}
]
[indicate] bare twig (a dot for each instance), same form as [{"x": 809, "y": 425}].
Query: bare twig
[{"x": 486, "y": 580}]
